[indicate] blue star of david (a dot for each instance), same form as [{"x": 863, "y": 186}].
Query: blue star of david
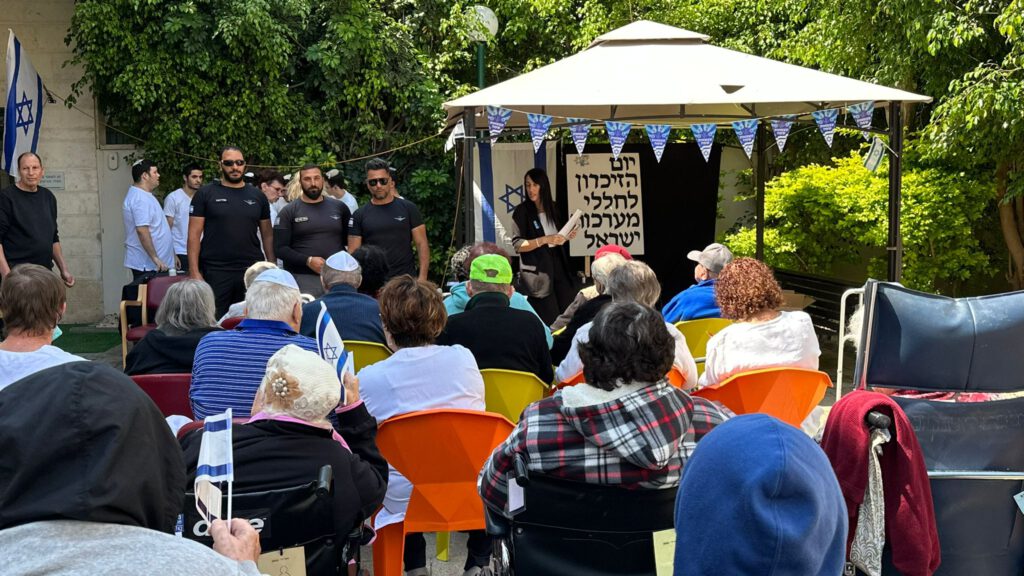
[
  {"x": 24, "y": 111},
  {"x": 507, "y": 197},
  {"x": 330, "y": 352}
]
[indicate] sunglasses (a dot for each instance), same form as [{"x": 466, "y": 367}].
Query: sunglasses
[
  {"x": 230, "y": 163},
  {"x": 378, "y": 181}
]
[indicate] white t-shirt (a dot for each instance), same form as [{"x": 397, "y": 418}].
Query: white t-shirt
[
  {"x": 17, "y": 365},
  {"x": 572, "y": 365},
  {"x": 787, "y": 340},
  {"x": 418, "y": 379},
  {"x": 176, "y": 206},
  {"x": 141, "y": 208},
  {"x": 350, "y": 201}
]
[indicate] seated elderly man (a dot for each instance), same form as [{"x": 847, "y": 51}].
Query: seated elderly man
[
  {"x": 762, "y": 336},
  {"x": 458, "y": 297},
  {"x": 32, "y": 301},
  {"x": 357, "y": 316},
  {"x": 626, "y": 426},
  {"x": 229, "y": 365},
  {"x": 633, "y": 281},
  {"x": 100, "y": 491},
  {"x": 498, "y": 335},
  {"x": 698, "y": 301}
]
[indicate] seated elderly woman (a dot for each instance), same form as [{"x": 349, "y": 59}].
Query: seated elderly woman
[
  {"x": 584, "y": 308},
  {"x": 420, "y": 376},
  {"x": 184, "y": 317},
  {"x": 288, "y": 438},
  {"x": 626, "y": 426},
  {"x": 632, "y": 281},
  {"x": 762, "y": 336}
]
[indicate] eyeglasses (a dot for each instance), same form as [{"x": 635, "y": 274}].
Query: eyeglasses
[
  {"x": 378, "y": 181},
  {"x": 230, "y": 163}
]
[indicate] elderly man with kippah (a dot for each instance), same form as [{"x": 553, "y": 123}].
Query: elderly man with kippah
[
  {"x": 498, "y": 335},
  {"x": 357, "y": 316},
  {"x": 230, "y": 364},
  {"x": 698, "y": 301}
]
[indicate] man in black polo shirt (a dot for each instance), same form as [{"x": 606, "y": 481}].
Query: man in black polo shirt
[
  {"x": 390, "y": 222},
  {"x": 223, "y": 221},
  {"x": 310, "y": 230},
  {"x": 28, "y": 222}
]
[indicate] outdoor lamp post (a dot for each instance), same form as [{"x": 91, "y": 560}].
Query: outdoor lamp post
[{"x": 484, "y": 27}]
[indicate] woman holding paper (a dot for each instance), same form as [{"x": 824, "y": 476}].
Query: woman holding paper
[{"x": 544, "y": 274}]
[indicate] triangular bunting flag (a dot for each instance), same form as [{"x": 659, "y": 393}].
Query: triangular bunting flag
[
  {"x": 826, "y": 120},
  {"x": 780, "y": 129},
  {"x": 496, "y": 119},
  {"x": 658, "y": 135},
  {"x": 862, "y": 115},
  {"x": 539, "y": 124},
  {"x": 617, "y": 134},
  {"x": 579, "y": 128},
  {"x": 705, "y": 135},
  {"x": 746, "y": 132}
]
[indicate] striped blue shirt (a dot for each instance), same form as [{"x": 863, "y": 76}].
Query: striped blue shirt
[{"x": 230, "y": 365}]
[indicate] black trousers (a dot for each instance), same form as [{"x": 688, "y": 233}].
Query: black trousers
[
  {"x": 183, "y": 259},
  {"x": 228, "y": 287},
  {"x": 478, "y": 548}
]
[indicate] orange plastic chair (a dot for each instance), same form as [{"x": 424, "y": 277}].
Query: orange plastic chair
[
  {"x": 675, "y": 378},
  {"x": 441, "y": 452},
  {"x": 789, "y": 394}
]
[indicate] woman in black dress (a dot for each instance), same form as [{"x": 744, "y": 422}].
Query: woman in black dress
[{"x": 544, "y": 274}]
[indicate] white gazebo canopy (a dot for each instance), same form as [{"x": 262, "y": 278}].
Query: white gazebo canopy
[{"x": 647, "y": 72}]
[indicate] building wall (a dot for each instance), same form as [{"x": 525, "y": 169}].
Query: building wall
[{"x": 67, "y": 143}]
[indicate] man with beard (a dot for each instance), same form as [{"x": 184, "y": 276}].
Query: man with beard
[
  {"x": 220, "y": 252},
  {"x": 310, "y": 230},
  {"x": 390, "y": 222}
]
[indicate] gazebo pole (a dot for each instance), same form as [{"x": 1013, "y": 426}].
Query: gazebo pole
[
  {"x": 759, "y": 178},
  {"x": 895, "y": 243},
  {"x": 469, "y": 143}
]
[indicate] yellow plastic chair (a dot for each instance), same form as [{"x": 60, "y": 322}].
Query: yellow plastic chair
[
  {"x": 697, "y": 334},
  {"x": 366, "y": 353},
  {"x": 508, "y": 392}
]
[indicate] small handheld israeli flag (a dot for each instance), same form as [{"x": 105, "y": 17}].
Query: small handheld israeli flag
[
  {"x": 216, "y": 465},
  {"x": 331, "y": 347},
  {"x": 24, "y": 109}
]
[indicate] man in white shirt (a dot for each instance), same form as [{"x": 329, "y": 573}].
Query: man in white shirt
[
  {"x": 32, "y": 301},
  {"x": 176, "y": 207},
  {"x": 147, "y": 237}
]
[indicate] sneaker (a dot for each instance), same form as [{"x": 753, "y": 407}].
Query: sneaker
[
  {"x": 418, "y": 572},
  {"x": 479, "y": 571}
]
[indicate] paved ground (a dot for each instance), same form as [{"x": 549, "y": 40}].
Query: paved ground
[{"x": 453, "y": 567}]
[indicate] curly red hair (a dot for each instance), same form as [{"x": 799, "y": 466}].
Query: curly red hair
[{"x": 745, "y": 287}]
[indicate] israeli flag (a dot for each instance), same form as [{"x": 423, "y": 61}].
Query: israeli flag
[
  {"x": 216, "y": 464},
  {"x": 331, "y": 346},
  {"x": 24, "y": 110}
]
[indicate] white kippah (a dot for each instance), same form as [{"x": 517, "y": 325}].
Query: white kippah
[
  {"x": 278, "y": 276},
  {"x": 343, "y": 262}
]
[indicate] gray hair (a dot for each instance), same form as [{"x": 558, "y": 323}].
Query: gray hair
[
  {"x": 633, "y": 281},
  {"x": 332, "y": 277},
  {"x": 270, "y": 301},
  {"x": 603, "y": 267},
  {"x": 188, "y": 304},
  {"x": 255, "y": 270},
  {"x": 477, "y": 287}
]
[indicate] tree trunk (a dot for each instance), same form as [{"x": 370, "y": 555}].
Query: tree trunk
[{"x": 1008, "y": 224}]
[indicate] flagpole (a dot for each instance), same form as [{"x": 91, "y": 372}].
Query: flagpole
[{"x": 229, "y": 504}]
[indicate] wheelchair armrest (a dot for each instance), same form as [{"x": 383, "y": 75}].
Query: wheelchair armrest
[
  {"x": 325, "y": 481},
  {"x": 522, "y": 472},
  {"x": 878, "y": 420},
  {"x": 497, "y": 525}
]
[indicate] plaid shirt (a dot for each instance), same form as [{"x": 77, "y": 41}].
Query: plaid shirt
[{"x": 639, "y": 440}]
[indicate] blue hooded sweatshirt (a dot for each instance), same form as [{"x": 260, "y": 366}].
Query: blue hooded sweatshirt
[
  {"x": 759, "y": 497},
  {"x": 694, "y": 303},
  {"x": 455, "y": 303}
]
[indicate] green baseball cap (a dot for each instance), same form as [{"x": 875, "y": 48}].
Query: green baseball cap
[{"x": 491, "y": 268}]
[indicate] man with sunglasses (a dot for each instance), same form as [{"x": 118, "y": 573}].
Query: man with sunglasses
[
  {"x": 222, "y": 239},
  {"x": 390, "y": 222}
]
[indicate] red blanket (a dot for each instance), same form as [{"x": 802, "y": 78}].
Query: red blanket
[{"x": 909, "y": 514}]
